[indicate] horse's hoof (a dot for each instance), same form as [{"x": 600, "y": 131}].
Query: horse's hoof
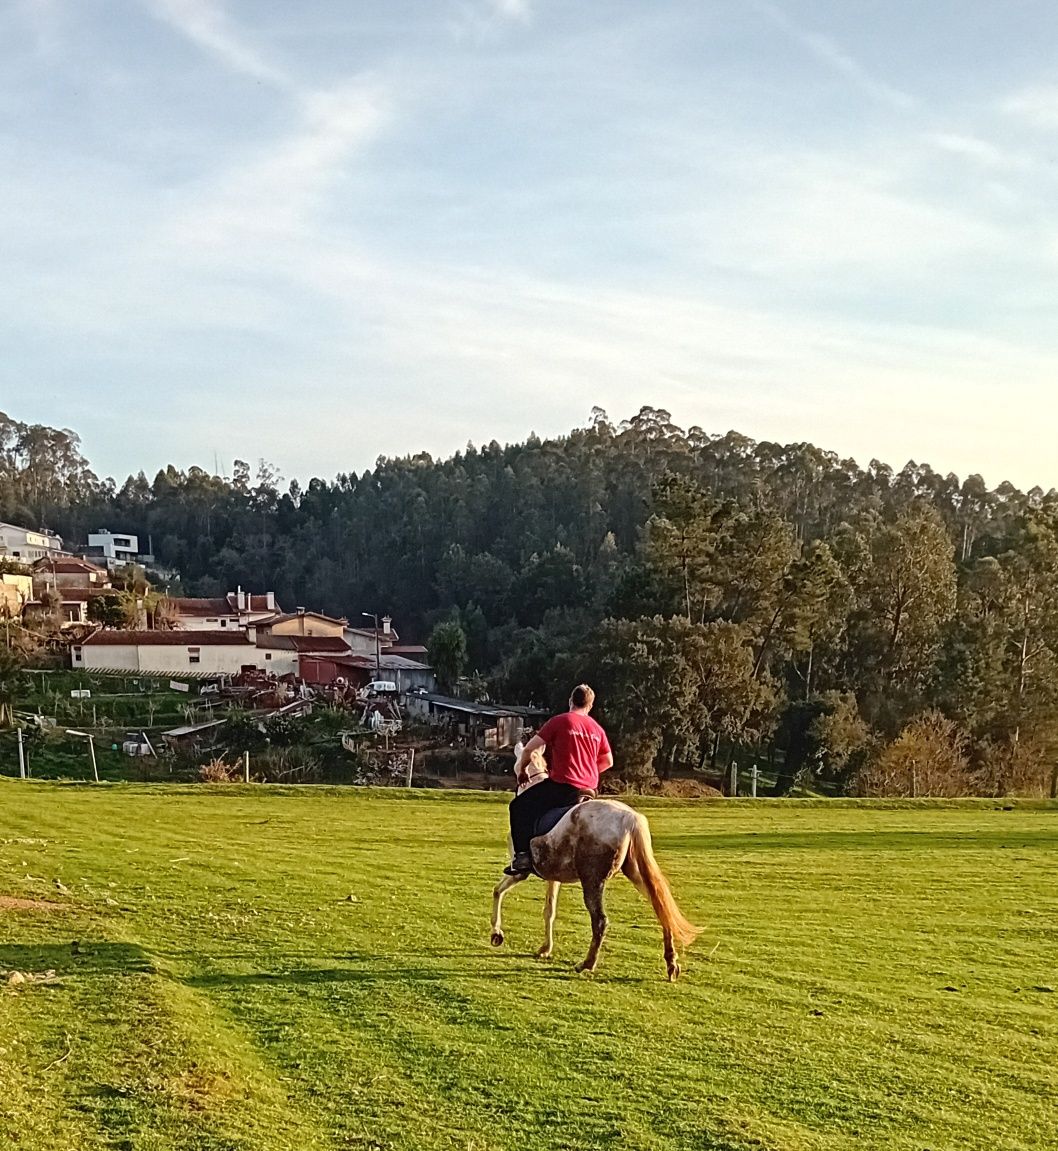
[
  {"x": 674, "y": 972},
  {"x": 497, "y": 939},
  {"x": 544, "y": 953},
  {"x": 584, "y": 969}
]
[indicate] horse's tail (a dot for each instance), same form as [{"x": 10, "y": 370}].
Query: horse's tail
[{"x": 642, "y": 868}]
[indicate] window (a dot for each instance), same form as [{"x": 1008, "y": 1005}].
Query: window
[
  {"x": 77, "y": 655},
  {"x": 268, "y": 655},
  {"x": 223, "y": 623},
  {"x": 194, "y": 655}
]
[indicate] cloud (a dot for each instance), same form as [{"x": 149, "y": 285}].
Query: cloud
[
  {"x": 43, "y": 20},
  {"x": 972, "y": 148},
  {"x": 275, "y": 193},
  {"x": 518, "y": 10},
  {"x": 830, "y": 53},
  {"x": 482, "y": 21},
  {"x": 1037, "y": 107},
  {"x": 206, "y": 24}
]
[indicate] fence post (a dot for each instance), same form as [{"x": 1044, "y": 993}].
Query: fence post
[
  {"x": 734, "y": 778},
  {"x": 246, "y": 767},
  {"x": 411, "y": 765},
  {"x": 754, "y": 771},
  {"x": 21, "y": 756},
  {"x": 92, "y": 753}
]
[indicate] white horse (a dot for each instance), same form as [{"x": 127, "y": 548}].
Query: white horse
[{"x": 589, "y": 845}]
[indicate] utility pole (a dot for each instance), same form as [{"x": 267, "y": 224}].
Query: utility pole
[
  {"x": 21, "y": 756},
  {"x": 378, "y": 643}
]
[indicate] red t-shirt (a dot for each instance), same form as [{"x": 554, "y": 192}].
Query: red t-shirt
[{"x": 575, "y": 744}]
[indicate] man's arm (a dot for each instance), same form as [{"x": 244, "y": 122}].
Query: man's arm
[{"x": 605, "y": 760}]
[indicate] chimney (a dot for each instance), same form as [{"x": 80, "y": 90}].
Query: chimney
[
  {"x": 270, "y": 600},
  {"x": 300, "y": 610},
  {"x": 387, "y": 625}
]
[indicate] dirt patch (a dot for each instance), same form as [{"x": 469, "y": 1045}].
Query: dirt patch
[
  {"x": 10, "y": 903},
  {"x": 685, "y": 789}
]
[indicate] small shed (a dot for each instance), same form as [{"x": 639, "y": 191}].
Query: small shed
[{"x": 485, "y": 725}]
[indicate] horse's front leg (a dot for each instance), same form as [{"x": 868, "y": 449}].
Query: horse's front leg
[
  {"x": 550, "y": 911},
  {"x": 500, "y": 890}
]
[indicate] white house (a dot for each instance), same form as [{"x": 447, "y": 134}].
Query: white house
[
  {"x": 27, "y": 546},
  {"x": 197, "y": 614},
  {"x": 115, "y": 550},
  {"x": 189, "y": 655},
  {"x": 238, "y": 609}
]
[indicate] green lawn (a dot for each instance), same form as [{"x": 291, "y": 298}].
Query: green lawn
[{"x": 881, "y": 978}]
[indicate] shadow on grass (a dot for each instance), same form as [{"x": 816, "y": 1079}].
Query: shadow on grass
[
  {"x": 884, "y": 840},
  {"x": 386, "y": 969},
  {"x": 77, "y": 958}
]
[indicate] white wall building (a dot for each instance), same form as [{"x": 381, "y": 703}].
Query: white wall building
[
  {"x": 27, "y": 546},
  {"x": 186, "y": 655},
  {"x": 116, "y": 550},
  {"x": 238, "y": 609}
]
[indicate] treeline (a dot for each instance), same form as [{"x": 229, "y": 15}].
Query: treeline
[{"x": 879, "y": 630}]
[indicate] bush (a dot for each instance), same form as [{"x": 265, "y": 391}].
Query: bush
[
  {"x": 928, "y": 759},
  {"x": 217, "y": 771}
]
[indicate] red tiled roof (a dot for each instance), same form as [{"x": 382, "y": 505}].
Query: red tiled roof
[
  {"x": 328, "y": 643},
  {"x": 202, "y": 607},
  {"x": 305, "y": 643},
  {"x": 168, "y": 639},
  {"x": 70, "y": 566},
  {"x": 256, "y": 603}
]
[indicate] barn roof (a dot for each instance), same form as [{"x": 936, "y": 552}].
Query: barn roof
[
  {"x": 168, "y": 639},
  {"x": 202, "y": 607}
]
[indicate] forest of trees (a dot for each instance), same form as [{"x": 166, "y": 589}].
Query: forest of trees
[{"x": 888, "y": 632}]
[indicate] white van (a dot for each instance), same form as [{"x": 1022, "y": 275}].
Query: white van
[{"x": 378, "y": 687}]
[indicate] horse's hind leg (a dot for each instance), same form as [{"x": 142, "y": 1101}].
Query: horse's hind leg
[
  {"x": 500, "y": 890},
  {"x": 550, "y": 911},
  {"x": 593, "y": 889}
]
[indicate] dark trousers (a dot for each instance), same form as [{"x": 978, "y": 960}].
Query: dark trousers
[{"x": 527, "y": 808}]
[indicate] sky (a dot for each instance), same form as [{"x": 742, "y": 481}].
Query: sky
[{"x": 321, "y": 232}]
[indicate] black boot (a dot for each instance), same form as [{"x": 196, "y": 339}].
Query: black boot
[{"x": 522, "y": 864}]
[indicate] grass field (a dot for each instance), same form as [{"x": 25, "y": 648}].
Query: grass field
[{"x": 882, "y": 978}]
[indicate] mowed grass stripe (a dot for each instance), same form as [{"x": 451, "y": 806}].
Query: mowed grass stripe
[
  {"x": 119, "y": 1054},
  {"x": 822, "y": 1020}
]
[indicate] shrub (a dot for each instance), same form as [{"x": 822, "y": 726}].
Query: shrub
[
  {"x": 217, "y": 771},
  {"x": 928, "y": 758}
]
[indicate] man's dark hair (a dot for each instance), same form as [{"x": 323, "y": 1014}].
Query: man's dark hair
[{"x": 582, "y": 696}]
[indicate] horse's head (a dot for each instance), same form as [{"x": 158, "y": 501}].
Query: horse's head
[{"x": 535, "y": 769}]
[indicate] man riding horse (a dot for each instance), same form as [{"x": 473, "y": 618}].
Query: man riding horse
[{"x": 578, "y": 752}]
